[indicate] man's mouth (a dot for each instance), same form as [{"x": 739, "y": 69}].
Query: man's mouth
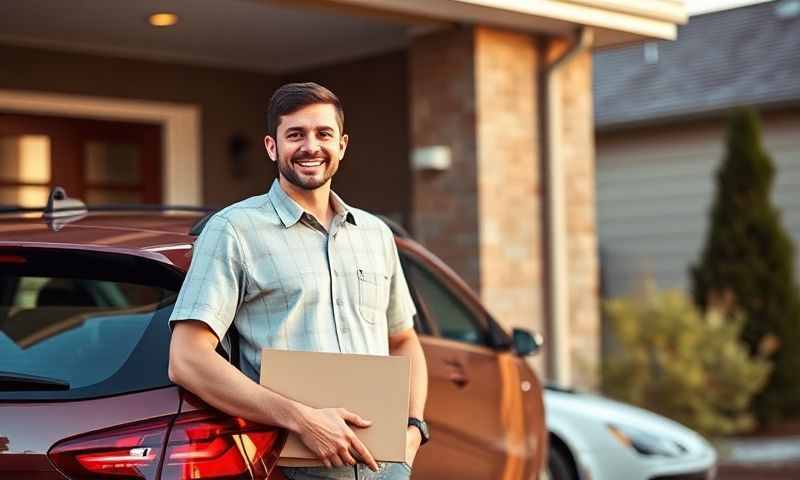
[{"x": 310, "y": 163}]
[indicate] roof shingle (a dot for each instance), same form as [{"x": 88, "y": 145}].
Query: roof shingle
[{"x": 744, "y": 56}]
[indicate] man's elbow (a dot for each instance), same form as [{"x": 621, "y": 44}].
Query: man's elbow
[
  {"x": 174, "y": 369},
  {"x": 179, "y": 369}
]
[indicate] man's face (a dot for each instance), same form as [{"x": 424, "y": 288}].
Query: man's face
[{"x": 308, "y": 147}]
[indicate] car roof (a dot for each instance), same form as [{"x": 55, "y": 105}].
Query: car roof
[{"x": 153, "y": 234}]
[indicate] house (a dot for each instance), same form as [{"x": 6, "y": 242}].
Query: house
[
  {"x": 660, "y": 116},
  {"x": 470, "y": 122}
]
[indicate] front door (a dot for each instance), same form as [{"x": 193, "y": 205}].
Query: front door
[{"x": 97, "y": 161}]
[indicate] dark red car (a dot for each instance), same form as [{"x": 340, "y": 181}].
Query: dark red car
[{"x": 84, "y": 393}]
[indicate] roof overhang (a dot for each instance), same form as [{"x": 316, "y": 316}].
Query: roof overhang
[
  {"x": 615, "y": 21},
  {"x": 283, "y": 36}
]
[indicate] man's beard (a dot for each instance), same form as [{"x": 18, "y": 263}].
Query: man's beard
[{"x": 306, "y": 183}]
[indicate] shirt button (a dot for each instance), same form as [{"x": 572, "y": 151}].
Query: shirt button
[{"x": 339, "y": 302}]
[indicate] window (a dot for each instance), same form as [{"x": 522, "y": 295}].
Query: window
[
  {"x": 455, "y": 320},
  {"x": 93, "y": 323}
]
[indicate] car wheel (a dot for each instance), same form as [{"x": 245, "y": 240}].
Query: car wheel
[{"x": 558, "y": 465}]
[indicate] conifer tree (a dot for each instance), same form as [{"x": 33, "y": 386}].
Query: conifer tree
[{"x": 748, "y": 264}]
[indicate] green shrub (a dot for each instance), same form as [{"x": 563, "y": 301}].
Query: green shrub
[
  {"x": 668, "y": 357},
  {"x": 748, "y": 263}
]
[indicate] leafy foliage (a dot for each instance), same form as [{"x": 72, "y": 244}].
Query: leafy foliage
[
  {"x": 670, "y": 358},
  {"x": 748, "y": 264}
]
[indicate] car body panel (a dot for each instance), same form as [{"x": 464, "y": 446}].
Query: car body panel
[
  {"x": 34, "y": 427},
  {"x": 581, "y": 422},
  {"x": 490, "y": 427}
]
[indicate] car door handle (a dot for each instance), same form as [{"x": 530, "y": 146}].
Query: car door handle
[
  {"x": 459, "y": 379},
  {"x": 456, "y": 374}
]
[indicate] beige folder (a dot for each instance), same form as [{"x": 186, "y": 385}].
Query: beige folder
[{"x": 374, "y": 387}]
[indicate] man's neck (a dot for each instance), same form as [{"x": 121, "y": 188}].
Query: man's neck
[{"x": 317, "y": 202}]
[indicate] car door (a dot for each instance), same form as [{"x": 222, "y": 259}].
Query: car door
[{"x": 467, "y": 401}]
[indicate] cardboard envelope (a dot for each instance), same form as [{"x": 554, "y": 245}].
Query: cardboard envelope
[{"x": 374, "y": 387}]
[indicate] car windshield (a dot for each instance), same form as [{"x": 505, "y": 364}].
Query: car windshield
[{"x": 76, "y": 331}]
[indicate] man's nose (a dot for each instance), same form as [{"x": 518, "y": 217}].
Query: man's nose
[{"x": 311, "y": 144}]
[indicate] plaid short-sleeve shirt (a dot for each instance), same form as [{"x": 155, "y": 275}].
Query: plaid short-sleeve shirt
[{"x": 271, "y": 269}]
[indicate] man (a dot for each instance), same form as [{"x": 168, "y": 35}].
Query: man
[{"x": 298, "y": 269}]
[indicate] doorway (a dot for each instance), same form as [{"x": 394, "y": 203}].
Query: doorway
[{"x": 97, "y": 161}]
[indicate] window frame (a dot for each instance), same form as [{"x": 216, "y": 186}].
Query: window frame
[{"x": 479, "y": 318}]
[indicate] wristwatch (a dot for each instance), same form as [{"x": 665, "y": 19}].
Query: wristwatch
[{"x": 422, "y": 427}]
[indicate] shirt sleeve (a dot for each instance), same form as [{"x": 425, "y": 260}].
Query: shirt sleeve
[
  {"x": 214, "y": 285},
  {"x": 400, "y": 312}
]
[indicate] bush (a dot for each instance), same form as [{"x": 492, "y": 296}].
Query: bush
[
  {"x": 670, "y": 358},
  {"x": 748, "y": 263}
]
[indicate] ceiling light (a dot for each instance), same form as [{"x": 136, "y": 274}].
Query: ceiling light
[{"x": 163, "y": 19}]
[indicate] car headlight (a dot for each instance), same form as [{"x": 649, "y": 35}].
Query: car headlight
[{"x": 645, "y": 443}]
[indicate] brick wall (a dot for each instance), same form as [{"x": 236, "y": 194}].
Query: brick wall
[
  {"x": 509, "y": 176},
  {"x": 442, "y": 99},
  {"x": 474, "y": 90},
  {"x": 583, "y": 266}
]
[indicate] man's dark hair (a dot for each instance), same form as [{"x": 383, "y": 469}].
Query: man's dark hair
[{"x": 291, "y": 97}]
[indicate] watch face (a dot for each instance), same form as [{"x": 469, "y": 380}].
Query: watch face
[{"x": 424, "y": 427}]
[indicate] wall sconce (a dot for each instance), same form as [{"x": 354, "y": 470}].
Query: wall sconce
[
  {"x": 436, "y": 158},
  {"x": 238, "y": 148}
]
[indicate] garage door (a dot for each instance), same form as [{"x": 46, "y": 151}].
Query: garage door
[{"x": 654, "y": 191}]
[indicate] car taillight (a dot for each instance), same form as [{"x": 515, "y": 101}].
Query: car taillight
[
  {"x": 129, "y": 451},
  {"x": 220, "y": 447},
  {"x": 200, "y": 446}
]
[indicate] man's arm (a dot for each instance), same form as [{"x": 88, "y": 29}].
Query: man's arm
[
  {"x": 195, "y": 365},
  {"x": 406, "y": 343}
]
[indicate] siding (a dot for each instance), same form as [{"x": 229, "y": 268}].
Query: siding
[{"x": 655, "y": 187}]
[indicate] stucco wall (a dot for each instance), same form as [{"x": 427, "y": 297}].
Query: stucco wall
[{"x": 375, "y": 174}]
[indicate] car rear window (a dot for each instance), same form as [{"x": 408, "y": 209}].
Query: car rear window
[{"x": 79, "y": 324}]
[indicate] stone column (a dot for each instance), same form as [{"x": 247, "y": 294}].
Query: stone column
[
  {"x": 474, "y": 91},
  {"x": 578, "y": 155}
]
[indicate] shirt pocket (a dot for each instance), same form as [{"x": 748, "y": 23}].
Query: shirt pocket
[{"x": 373, "y": 294}]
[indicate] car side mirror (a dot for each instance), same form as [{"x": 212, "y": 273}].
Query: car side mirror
[{"x": 525, "y": 342}]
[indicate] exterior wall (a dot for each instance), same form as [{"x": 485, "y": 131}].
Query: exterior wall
[
  {"x": 655, "y": 187},
  {"x": 575, "y": 151},
  {"x": 443, "y": 112},
  {"x": 509, "y": 178},
  {"x": 231, "y": 101},
  {"x": 475, "y": 91},
  {"x": 375, "y": 173},
  {"x": 234, "y": 102},
  {"x": 578, "y": 155}
]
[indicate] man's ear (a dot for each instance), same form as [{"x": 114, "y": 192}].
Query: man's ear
[
  {"x": 272, "y": 148},
  {"x": 343, "y": 144}
]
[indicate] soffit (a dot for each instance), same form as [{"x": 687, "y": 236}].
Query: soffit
[
  {"x": 271, "y": 37},
  {"x": 280, "y": 36}
]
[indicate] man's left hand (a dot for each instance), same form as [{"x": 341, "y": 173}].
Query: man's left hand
[{"x": 413, "y": 441}]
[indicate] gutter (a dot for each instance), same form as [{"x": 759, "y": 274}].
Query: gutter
[{"x": 559, "y": 364}]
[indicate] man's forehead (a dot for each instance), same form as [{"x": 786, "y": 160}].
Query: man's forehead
[{"x": 318, "y": 115}]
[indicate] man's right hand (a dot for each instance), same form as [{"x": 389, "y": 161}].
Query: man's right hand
[{"x": 325, "y": 431}]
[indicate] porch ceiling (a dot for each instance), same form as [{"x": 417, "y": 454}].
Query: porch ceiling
[
  {"x": 279, "y": 36},
  {"x": 271, "y": 37}
]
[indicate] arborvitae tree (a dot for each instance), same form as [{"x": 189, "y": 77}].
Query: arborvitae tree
[{"x": 748, "y": 264}]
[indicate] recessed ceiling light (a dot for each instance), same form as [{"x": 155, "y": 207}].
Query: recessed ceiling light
[{"x": 163, "y": 19}]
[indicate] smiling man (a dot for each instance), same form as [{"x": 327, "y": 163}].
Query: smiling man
[{"x": 298, "y": 269}]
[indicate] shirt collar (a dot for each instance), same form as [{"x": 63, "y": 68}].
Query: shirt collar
[
  {"x": 342, "y": 208},
  {"x": 290, "y": 212}
]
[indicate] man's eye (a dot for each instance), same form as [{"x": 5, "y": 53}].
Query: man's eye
[
  {"x": 293, "y": 135},
  {"x": 326, "y": 134}
]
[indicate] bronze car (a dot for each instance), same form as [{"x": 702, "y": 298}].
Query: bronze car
[{"x": 84, "y": 345}]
